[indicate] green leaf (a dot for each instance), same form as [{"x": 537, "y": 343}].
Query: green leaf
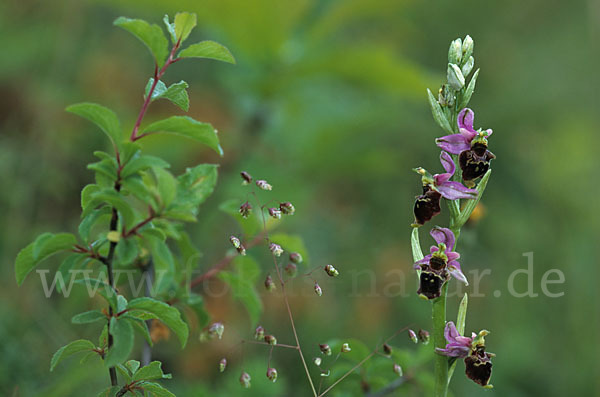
[
  {"x": 460, "y": 326},
  {"x": 122, "y": 333},
  {"x": 90, "y": 220},
  {"x": 42, "y": 248},
  {"x": 88, "y": 317},
  {"x": 156, "y": 390},
  {"x": 126, "y": 250},
  {"x": 105, "y": 167},
  {"x": 415, "y": 245},
  {"x": 176, "y": 93},
  {"x": 291, "y": 243},
  {"x": 150, "y": 372},
  {"x": 125, "y": 373},
  {"x": 141, "y": 163},
  {"x": 167, "y": 186},
  {"x": 121, "y": 303},
  {"x": 170, "y": 28},
  {"x": 208, "y": 49},
  {"x": 471, "y": 204},
  {"x": 194, "y": 187},
  {"x": 196, "y": 303},
  {"x": 188, "y": 127},
  {"x": 132, "y": 366},
  {"x": 151, "y": 35},
  {"x": 184, "y": 23},
  {"x": 242, "y": 286},
  {"x": 466, "y": 97},
  {"x": 103, "y": 117},
  {"x": 69, "y": 263},
  {"x": 140, "y": 326},
  {"x": 438, "y": 114},
  {"x": 169, "y": 315},
  {"x": 86, "y": 194},
  {"x": 78, "y": 346},
  {"x": 162, "y": 257},
  {"x": 111, "y": 197}
]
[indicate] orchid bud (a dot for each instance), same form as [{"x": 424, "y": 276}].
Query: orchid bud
[
  {"x": 222, "y": 365},
  {"x": 397, "y": 369},
  {"x": 276, "y": 249},
  {"x": 468, "y": 66},
  {"x": 237, "y": 244},
  {"x": 441, "y": 96},
  {"x": 424, "y": 336},
  {"x": 455, "y": 77},
  {"x": 296, "y": 257},
  {"x": 317, "y": 361},
  {"x": 216, "y": 329},
  {"x": 259, "y": 333},
  {"x": 318, "y": 289},
  {"x": 247, "y": 178},
  {"x": 261, "y": 183},
  {"x": 455, "y": 51},
  {"x": 387, "y": 349},
  {"x": 467, "y": 47},
  {"x": 269, "y": 284},
  {"x": 271, "y": 340},
  {"x": 245, "y": 209},
  {"x": 245, "y": 380},
  {"x": 272, "y": 374},
  {"x": 331, "y": 271},
  {"x": 275, "y": 213},
  {"x": 346, "y": 348},
  {"x": 287, "y": 208},
  {"x": 325, "y": 349},
  {"x": 412, "y": 336},
  {"x": 291, "y": 270}
]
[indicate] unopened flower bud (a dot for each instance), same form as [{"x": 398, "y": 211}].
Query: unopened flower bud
[
  {"x": 216, "y": 329},
  {"x": 296, "y": 257},
  {"x": 317, "y": 361},
  {"x": 424, "y": 336},
  {"x": 441, "y": 96},
  {"x": 259, "y": 333},
  {"x": 245, "y": 209},
  {"x": 269, "y": 284},
  {"x": 275, "y": 213},
  {"x": 397, "y": 369},
  {"x": 222, "y": 365},
  {"x": 387, "y": 349},
  {"x": 291, "y": 270},
  {"x": 245, "y": 380},
  {"x": 247, "y": 178},
  {"x": 270, "y": 339},
  {"x": 455, "y": 52},
  {"x": 264, "y": 185},
  {"x": 467, "y": 47},
  {"x": 272, "y": 374},
  {"x": 237, "y": 244},
  {"x": 287, "y": 208},
  {"x": 346, "y": 348},
  {"x": 325, "y": 349},
  {"x": 412, "y": 336},
  {"x": 468, "y": 66},
  {"x": 276, "y": 249},
  {"x": 455, "y": 77},
  {"x": 331, "y": 271},
  {"x": 318, "y": 289}
]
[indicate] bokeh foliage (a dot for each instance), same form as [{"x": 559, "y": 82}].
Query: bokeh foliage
[{"x": 328, "y": 103}]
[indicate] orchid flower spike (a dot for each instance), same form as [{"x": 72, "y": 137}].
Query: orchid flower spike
[
  {"x": 478, "y": 363},
  {"x": 440, "y": 265},
  {"x": 436, "y": 186},
  {"x": 470, "y": 145}
]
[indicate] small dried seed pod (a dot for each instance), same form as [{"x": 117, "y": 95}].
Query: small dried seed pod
[
  {"x": 245, "y": 209},
  {"x": 424, "y": 336},
  {"x": 346, "y": 348},
  {"x": 259, "y": 333},
  {"x": 264, "y": 185},
  {"x": 296, "y": 257},
  {"x": 246, "y": 177},
  {"x": 270, "y": 339},
  {"x": 272, "y": 374},
  {"x": 387, "y": 349},
  {"x": 269, "y": 284},
  {"x": 287, "y": 208},
  {"x": 275, "y": 213},
  {"x": 331, "y": 271},
  {"x": 245, "y": 380},
  {"x": 276, "y": 249},
  {"x": 412, "y": 336},
  {"x": 325, "y": 349},
  {"x": 318, "y": 289},
  {"x": 397, "y": 369},
  {"x": 216, "y": 330},
  {"x": 222, "y": 365},
  {"x": 291, "y": 270}
]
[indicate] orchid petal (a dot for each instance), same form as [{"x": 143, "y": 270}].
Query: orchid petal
[
  {"x": 426, "y": 259},
  {"x": 454, "y": 144},
  {"x": 454, "y": 270},
  {"x": 465, "y": 119},
  {"x": 452, "y": 256},
  {"x": 450, "y": 331},
  {"x": 443, "y": 235},
  {"x": 434, "y": 248},
  {"x": 447, "y": 163},
  {"x": 453, "y": 190}
]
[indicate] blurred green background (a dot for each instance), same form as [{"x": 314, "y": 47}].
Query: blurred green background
[{"x": 328, "y": 103}]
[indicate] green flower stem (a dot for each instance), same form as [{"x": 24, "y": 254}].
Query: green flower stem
[{"x": 440, "y": 361}]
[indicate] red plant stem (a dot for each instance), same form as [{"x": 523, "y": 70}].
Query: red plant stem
[
  {"x": 158, "y": 73},
  {"x": 137, "y": 227}
]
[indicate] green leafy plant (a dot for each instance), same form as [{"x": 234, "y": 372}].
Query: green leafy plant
[{"x": 132, "y": 216}]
